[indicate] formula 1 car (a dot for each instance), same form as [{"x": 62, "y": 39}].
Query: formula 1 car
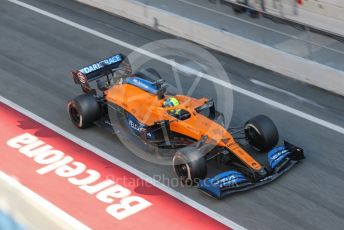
[{"x": 196, "y": 132}]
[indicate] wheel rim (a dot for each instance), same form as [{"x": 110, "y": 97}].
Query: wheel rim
[
  {"x": 253, "y": 137},
  {"x": 75, "y": 115},
  {"x": 181, "y": 169},
  {"x": 252, "y": 134}
]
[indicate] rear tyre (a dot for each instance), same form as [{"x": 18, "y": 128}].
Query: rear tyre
[
  {"x": 261, "y": 133},
  {"x": 189, "y": 165},
  {"x": 84, "y": 110}
]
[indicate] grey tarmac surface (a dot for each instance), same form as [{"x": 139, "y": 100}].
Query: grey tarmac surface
[{"x": 37, "y": 54}]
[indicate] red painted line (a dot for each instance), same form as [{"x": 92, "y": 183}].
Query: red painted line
[{"x": 164, "y": 211}]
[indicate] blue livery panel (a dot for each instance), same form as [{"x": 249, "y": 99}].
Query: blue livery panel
[
  {"x": 276, "y": 155},
  {"x": 136, "y": 127},
  {"x": 225, "y": 180},
  {"x": 143, "y": 84}
]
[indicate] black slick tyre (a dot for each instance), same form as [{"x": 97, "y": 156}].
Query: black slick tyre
[
  {"x": 84, "y": 110},
  {"x": 261, "y": 133},
  {"x": 189, "y": 165}
]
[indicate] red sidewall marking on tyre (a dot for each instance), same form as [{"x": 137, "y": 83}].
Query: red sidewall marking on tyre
[{"x": 165, "y": 211}]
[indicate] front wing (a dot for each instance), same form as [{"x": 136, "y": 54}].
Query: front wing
[{"x": 280, "y": 160}]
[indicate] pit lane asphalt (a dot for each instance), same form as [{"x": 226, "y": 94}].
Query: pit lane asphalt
[{"x": 37, "y": 54}]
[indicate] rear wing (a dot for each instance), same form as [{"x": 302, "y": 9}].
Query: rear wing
[{"x": 99, "y": 69}]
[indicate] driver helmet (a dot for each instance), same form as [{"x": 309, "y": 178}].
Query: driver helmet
[{"x": 172, "y": 102}]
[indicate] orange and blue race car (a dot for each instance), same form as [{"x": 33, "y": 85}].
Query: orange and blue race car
[{"x": 192, "y": 127}]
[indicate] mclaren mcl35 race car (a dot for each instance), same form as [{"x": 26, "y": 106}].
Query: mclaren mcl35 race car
[{"x": 192, "y": 128}]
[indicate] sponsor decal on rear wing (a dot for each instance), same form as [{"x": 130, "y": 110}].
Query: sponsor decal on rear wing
[
  {"x": 93, "y": 71},
  {"x": 97, "y": 70}
]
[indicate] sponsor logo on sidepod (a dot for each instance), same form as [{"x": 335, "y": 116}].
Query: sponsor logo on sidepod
[
  {"x": 137, "y": 128},
  {"x": 121, "y": 203}
]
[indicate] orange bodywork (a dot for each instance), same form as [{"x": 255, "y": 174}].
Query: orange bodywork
[{"x": 147, "y": 109}]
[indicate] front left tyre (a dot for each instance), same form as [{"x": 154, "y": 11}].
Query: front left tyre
[
  {"x": 84, "y": 110},
  {"x": 190, "y": 165}
]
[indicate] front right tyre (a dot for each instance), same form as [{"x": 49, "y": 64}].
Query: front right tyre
[{"x": 261, "y": 133}]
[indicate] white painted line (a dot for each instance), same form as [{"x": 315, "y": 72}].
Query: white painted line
[
  {"x": 268, "y": 86},
  {"x": 49, "y": 207},
  {"x": 186, "y": 69},
  {"x": 123, "y": 165}
]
